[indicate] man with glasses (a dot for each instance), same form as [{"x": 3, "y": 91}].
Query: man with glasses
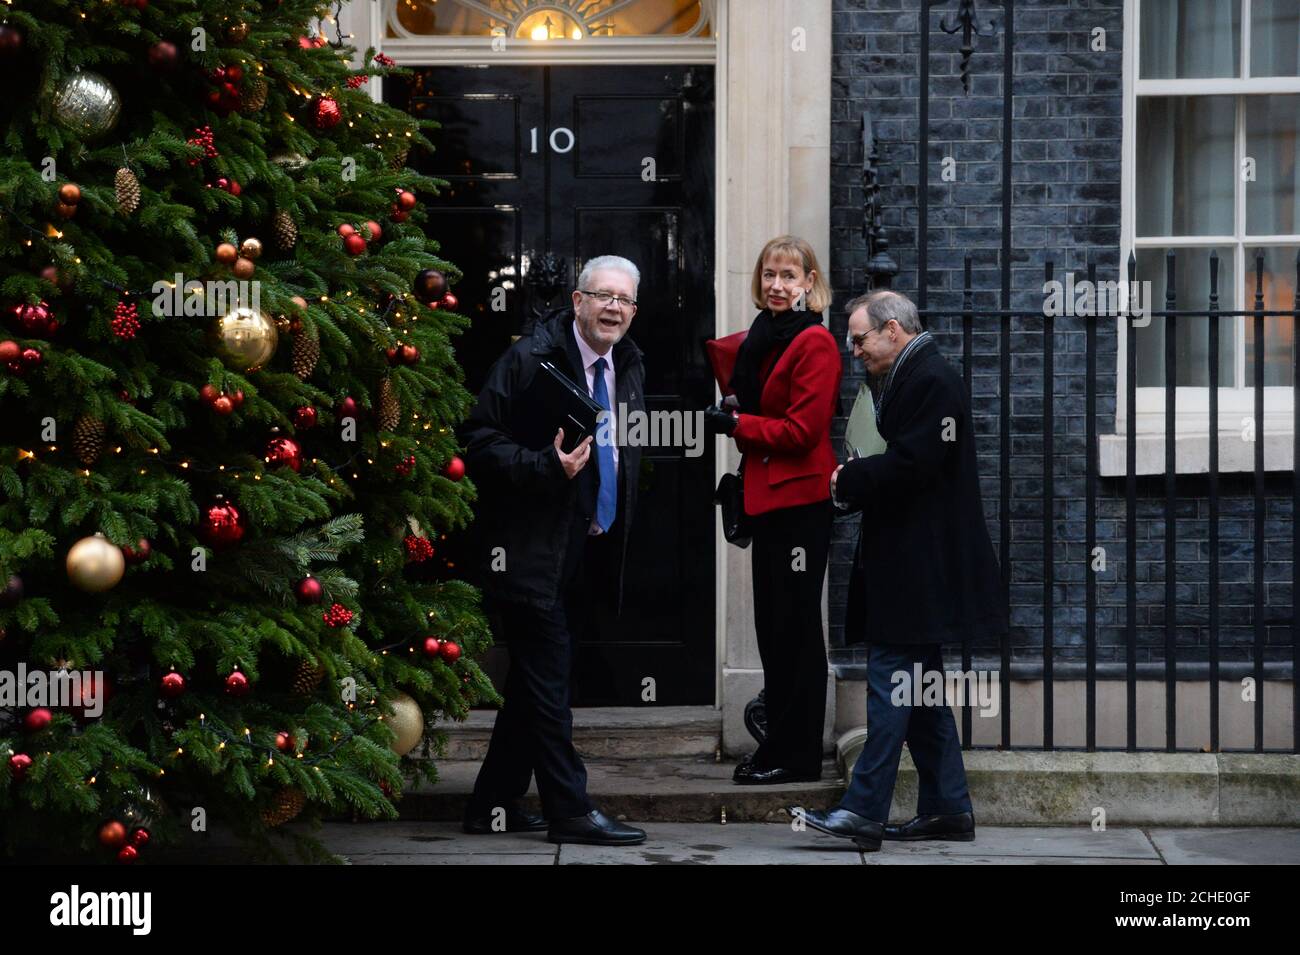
[
  {"x": 924, "y": 574},
  {"x": 546, "y": 516}
]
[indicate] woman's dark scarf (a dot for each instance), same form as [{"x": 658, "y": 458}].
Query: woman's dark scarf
[{"x": 769, "y": 333}]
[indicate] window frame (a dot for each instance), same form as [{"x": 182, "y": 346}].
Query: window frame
[{"x": 1236, "y": 405}]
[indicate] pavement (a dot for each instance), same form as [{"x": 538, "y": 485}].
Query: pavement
[{"x": 442, "y": 843}]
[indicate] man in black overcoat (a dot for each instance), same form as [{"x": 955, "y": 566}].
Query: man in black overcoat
[
  {"x": 924, "y": 574},
  {"x": 543, "y": 514}
]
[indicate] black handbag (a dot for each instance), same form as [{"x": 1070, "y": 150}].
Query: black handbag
[{"x": 730, "y": 496}]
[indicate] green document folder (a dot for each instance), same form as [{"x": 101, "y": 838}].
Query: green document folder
[{"x": 861, "y": 437}]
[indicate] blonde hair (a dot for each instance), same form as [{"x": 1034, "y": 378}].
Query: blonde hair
[{"x": 798, "y": 250}]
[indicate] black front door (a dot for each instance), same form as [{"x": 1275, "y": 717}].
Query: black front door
[{"x": 548, "y": 167}]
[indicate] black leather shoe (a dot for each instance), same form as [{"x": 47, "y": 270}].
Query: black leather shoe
[
  {"x": 517, "y": 820},
  {"x": 955, "y": 827},
  {"x": 594, "y": 829},
  {"x": 745, "y": 768},
  {"x": 866, "y": 835},
  {"x": 773, "y": 777}
]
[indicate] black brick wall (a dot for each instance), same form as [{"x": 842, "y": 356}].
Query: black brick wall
[{"x": 1066, "y": 206}]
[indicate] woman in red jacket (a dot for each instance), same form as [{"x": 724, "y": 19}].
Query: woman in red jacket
[{"x": 786, "y": 384}]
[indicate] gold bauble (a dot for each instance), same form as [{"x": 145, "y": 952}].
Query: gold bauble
[
  {"x": 246, "y": 337},
  {"x": 95, "y": 564},
  {"x": 407, "y": 722},
  {"x": 251, "y": 248}
]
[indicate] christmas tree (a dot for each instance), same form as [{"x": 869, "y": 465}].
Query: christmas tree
[{"x": 227, "y": 401}]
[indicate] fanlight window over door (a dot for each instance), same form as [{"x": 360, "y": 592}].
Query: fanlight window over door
[{"x": 544, "y": 21}]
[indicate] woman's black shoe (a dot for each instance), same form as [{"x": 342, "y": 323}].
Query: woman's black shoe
[{"x": 773, "y": 777}]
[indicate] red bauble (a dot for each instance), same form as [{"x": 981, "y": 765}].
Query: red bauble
[
  {"x": 354, "y": 244},
  {"x": 38, "y": 320},
  {"x": 304, "y": 417},
  {"x": 398, "y": 215},
  {"x": 222, "y": 405},
  {"x": 237, "y": 684},
  {"x": 209, "y": 393},
  {"x": 393, "y": 354},
  {"x": 94, "y": 690},
  {"x": 432, "y": 646},
  {"x": 282, "y": 450},
  {"x": 455, "y": 469},
  {"x": 37, "y": 719},
  {"x": 309, "y": 591},
  {"x": 348, "y": 408},
  {"x": 10, "y": 351},
  {"x": 375, "y": 231},
  {"x": 173, "y": 684},
  {"x": 222, "y": 523},
  {"x": 11, "y": 41},
  {"x": 405, "y": 200},
  {"x": 127, "y": 854},
  {"x": 112, "y": 834},
  {"x": 410, "y": 354},
  {"x": 140, "y": 837},
  {"x": 450, "y": 651},
  {"x": 19, "y": 763},
  {"x": 311, "y": 42},
  {"x": 346, "y": 230},
  {"x": 31, "y": 357},
  {"x": 328, "y": 113},
  {"x": 163, "y": 56},
  {"x": 429, "y": 285},
  {"x": 450, "y": 301},
  {"x": 237, "y": 398},
  {"x": 285, "y": 743},
  {"x": 139, "y": 553}
]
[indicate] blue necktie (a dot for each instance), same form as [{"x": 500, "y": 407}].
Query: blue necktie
[{"x": 607, "y": 499}]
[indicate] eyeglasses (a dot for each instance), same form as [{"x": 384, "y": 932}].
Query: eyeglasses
[
  {"x": 604, "y": 298},
  {"x": 856, "y": 341}
]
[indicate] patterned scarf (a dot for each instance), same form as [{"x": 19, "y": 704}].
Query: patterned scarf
[{"x": 910, "y": 347}]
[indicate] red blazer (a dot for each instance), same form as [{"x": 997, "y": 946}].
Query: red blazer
[{"x": 788, "y": 459}]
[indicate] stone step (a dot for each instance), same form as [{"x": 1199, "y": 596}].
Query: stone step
[
  {"x": 610, "y": 732},
  {"x": 645, "y": 790}
]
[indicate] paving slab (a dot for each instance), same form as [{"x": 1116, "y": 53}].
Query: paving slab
[
  {"x": 732, "y": 844},
  {"x": 1228, "y": 846}
]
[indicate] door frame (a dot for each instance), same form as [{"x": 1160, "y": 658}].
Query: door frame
[{"x": 772, "y": 176}]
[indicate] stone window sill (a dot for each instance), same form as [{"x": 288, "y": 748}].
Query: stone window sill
[{"x": 1192, "y": 453}]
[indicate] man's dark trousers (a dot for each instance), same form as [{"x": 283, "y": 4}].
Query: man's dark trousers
[
  {"x": 929, "y": 731},
  {"x": 534, "y": 729}
]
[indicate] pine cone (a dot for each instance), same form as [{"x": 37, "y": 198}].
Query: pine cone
[
  {"x": 400, "y": 152},
  {"x": 254, "y": 95},
  {"x": 390, "y": 411},
  {"x": 286, "y": 805},
  {"x": 306, "y": 352},
  {"x": 128, "y": 191},
  {"x": 307, "y": 677},
  {"x": 88, "y": 439},
  {"x": 286, "y": 231}
]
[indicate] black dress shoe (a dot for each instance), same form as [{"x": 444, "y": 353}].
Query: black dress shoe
[
  {"x": 773, "y": 777},
  {"x": 594, "y": 829},
  {"x": 955, "y": 827},
  {"x": 866, "y": 835},
  {"x": 517, "y": 820},
  {"x": 744, "y": 768}
]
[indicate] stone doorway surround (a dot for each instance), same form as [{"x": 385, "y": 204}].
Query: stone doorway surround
[{"x": 773, "y": 62}]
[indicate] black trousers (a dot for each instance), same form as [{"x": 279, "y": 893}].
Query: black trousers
[
  {"x": 929, "y": 731},
  {"x": 533, "y": 734},
  {"x": 788, "y": 624}
]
